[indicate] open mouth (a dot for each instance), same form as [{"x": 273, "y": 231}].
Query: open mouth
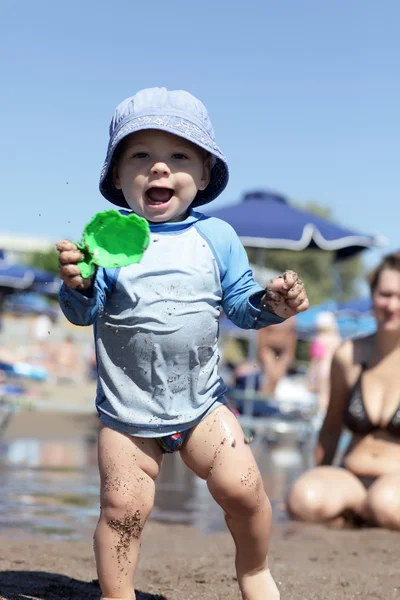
[{"x": 157, "y": 196}]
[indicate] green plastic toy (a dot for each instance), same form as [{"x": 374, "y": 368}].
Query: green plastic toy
[{"x": 113, "y": 240}]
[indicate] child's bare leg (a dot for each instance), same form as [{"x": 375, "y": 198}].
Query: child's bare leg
[
  {"x": 128, "y": 469},
  {"x": 216, "y": 451}
]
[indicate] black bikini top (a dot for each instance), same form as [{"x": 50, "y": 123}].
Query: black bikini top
[{"x": 356, "y": 417}]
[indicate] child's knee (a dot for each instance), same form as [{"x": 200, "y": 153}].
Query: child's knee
[
  {"x": 126, "y": 517},
  {"x": 124, "y": 507},
  {"x": 244, "y": 495}
]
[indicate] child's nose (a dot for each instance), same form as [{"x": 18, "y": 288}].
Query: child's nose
[{"x": 160, "y": 168}]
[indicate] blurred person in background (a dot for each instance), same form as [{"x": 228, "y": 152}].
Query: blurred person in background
[
  {"x": 364, "y": 399},
  {"x": 90, "y": 360},
  {"x": 68, "y": 361},
  {"x": 41, "y": 328},
  {"x": 40, "y": 349},
  {"x": 276, "y": 353},
  {"x": 322, "y": 349}
]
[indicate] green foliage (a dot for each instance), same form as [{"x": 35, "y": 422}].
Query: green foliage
[
  {"x": 322, "y": 278},
  {"x": 48, "y": 261}
]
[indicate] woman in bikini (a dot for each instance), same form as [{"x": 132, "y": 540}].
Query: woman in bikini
[{"x": 365, "y": 400}]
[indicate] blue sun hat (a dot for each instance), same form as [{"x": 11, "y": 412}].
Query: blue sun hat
[{"x": 176, "y": 112}]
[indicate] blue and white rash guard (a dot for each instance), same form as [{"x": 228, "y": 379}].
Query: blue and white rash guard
[{"x": 156, "y": 325}]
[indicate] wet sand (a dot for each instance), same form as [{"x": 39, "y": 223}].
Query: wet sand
[
  {"x": 180, "y": 563},
  {"x": 50, "y": 423}
]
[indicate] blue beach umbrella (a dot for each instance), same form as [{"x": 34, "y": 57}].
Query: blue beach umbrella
[
  {"x": 16, "y": 277},
  {"x": 354, "y": 318},
  {"x": 267, "y": 220},
  {"x": 355, "y": 305}
]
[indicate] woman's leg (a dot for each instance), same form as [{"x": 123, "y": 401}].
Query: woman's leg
[
  {"x": 271, "y": 371},
  {"x": 275, "y": 367},
  {"x": 128, "y": 469},
  {"x": 382, "y": 505},
  {"x": 216, "y": 451},
  {"x": 324, "y": 493}
]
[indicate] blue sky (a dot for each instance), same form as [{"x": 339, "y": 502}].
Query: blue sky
[{"x": 304, "y": 96}]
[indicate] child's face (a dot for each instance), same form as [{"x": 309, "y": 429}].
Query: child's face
[{"x": 160, "y": 174}]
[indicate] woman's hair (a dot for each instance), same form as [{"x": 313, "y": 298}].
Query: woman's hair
[{"x": 390, "y": 261}]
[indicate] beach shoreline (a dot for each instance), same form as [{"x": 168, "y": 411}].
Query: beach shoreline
[{"x": 51, "y": 424}]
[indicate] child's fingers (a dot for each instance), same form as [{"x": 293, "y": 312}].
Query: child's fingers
[
  {"x": 297, "y": 295},
  {"x": 285, "y": 282},
  {"x": 71, "y": 256},
  {"x": 76, "y": 283},
  {"x": 68, "y": 253},
  {"x": 294, "y": 303},
  {"x": 69, "y": 270},
  {"x": 303, "y": 305},
  {"x": 276, "y": 285},
  {"x": 296, "y": 290},
  {"x": 65, "y": 245},
  {"x": 290, "y": 279}
]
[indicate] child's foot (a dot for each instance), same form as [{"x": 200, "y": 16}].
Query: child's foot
[{"x": 259, "y": 586}]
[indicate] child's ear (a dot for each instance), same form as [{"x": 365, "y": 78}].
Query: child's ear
[
  {"x": 115, "y": 175},
  {"x": 205, "y": 178}
]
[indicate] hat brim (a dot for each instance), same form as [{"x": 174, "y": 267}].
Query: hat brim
[{"x": 178, "y": 126}]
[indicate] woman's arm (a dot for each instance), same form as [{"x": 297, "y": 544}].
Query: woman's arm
[{"x": 333, "y": 423}]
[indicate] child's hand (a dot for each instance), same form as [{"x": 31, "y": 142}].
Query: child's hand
[
  {"x": 69, "y": 256},
  {"x": 285, "y": 295}
]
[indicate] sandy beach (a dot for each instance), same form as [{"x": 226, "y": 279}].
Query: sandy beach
[{"x": 181, "y": 563}]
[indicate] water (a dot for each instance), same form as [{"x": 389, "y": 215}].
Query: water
[
  {"x": 48, "y": 487},
  {"x": 51, "y": 487}
]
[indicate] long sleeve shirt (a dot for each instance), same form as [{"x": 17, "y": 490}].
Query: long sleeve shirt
[{"x": 156, "y": 325}]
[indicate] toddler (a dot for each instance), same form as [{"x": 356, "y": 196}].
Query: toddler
[{"x": 156, "y": 335}]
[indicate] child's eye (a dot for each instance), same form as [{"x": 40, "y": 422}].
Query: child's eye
[
  {"x": 179, "y": 155},
  {"x": 140, "y": 155}
]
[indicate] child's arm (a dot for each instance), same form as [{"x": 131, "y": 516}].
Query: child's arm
[
  {"x": 282, "y": 298},
  {"x": 241, "y": 294},
  {"x": 244, "y": 301},
  {"x": 81, "y": 300}
]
